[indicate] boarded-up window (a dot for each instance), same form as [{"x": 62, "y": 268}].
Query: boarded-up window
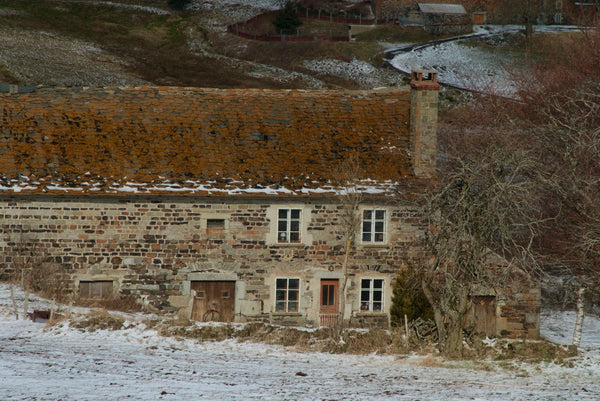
[
  {"x": 95, "y": 289},
  {"x": 215, "y": 224}
]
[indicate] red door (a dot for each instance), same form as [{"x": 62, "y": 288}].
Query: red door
[{"x": 329, "y": 302}]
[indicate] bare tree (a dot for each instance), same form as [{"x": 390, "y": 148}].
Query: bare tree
[
  {"x": 347, "y": 180},
  {"x": 33, "y": 270},
  {"x": 569, "y": 145},
  {"x": 482, "y": 220}
]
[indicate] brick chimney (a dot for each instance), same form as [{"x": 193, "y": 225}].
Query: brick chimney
[{"x": 423, "y": 121}]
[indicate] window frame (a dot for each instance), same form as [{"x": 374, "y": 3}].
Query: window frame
[
  {"x": 371, "y": 290},
  {"x": 286, "y": 301},
  {"x": 373, "y": 232},
  {"x": 96, "y": 287},
  {"x": 288, "y": 220}
]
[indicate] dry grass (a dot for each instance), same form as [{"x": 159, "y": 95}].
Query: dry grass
[
  {"x": 99, "y": 320},
  {"x": 123, "y": 303}
]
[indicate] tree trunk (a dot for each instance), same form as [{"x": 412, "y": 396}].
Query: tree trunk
[
  {"x": 26, "y": 304},
  {"x": 453, "y": 344},
  {"x": 343, "y": 284},
  {"x": 579, "y": 321}
]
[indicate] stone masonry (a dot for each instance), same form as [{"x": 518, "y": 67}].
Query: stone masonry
[{"x": 171, "y": 194}]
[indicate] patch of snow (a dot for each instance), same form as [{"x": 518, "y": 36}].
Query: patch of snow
[
  {"x": 460, "y": 66},
  {"x": 136, "y": 363},
  {"x": 152, "y": 10},
  {"x": 363, "y": 73},
  {"x": 558, "y": 327}
]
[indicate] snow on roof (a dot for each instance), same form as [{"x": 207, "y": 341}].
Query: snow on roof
[{"x": 442, "y": 8}]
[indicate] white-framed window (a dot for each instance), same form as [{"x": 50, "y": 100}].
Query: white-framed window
[
  {"x": 287, "y": 294},
  {"x": 373, "y": 226},
  {"x": 371, "y": 295},
  {"x": 288, "y": 226}
]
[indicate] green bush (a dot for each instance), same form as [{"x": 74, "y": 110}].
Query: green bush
[
  {"x": 408, "y": 299},
  {"x": 287, "y": 19},
  {"x": 178, "y": 5}
]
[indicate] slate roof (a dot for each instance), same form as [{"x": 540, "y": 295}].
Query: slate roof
[
  {"x": 429, "y": 8},
  {"x": 199, "y": 141}
]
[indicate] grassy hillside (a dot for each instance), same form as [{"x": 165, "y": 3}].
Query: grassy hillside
[{"x": 103, "y": 43}]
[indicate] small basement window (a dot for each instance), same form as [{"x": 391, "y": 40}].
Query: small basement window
[{"x": 95, "y": 289}]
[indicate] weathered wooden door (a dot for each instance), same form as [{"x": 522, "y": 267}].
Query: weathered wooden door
[
  {"x": 213, "y": 301},
  {"x": 482, "y": 315},
  {"x": 329, "y": 302}
]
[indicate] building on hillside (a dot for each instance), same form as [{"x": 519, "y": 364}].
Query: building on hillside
[
  {"x": 444, "y": 19},
  {"x": 223, "y": 204}
]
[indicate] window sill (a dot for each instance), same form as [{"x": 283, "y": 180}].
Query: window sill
[
  {"x": 367, "y": 313},
  {"x": 286, "y": 313},
  {"x": 374, "y": 245},
  {"x": 288, "y": 245}
]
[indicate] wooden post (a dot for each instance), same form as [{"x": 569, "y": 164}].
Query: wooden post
[
  {"x": 406, "y": 328},
  {"x": 579, "y": 321}
]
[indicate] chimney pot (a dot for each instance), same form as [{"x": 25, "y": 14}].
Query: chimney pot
[{"x": 424, "y": 80}]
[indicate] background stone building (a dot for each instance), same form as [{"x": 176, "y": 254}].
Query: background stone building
[{"x": 224, "y": 204}]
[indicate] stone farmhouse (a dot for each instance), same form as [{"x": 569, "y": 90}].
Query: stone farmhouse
[{"x": 223, "y": 204}]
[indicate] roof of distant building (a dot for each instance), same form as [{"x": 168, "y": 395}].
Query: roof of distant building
[{"x": 430, "y": 8}]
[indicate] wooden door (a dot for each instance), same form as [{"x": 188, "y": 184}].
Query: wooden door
[
  {"x": 482, "y": 315},
  {"x": 329, "y": 302},
  {"x": 213, "y": 301}
]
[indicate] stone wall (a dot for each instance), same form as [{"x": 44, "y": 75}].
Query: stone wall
[{"x": 152, "y": 247}]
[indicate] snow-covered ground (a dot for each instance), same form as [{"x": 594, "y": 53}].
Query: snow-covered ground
[
  {"x": 135, "y": 363},
  {"x": 464, "y": 66}
]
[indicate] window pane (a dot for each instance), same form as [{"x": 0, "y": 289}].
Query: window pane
[
  {"x": 364, "y": 296},
  {"x": 293, "y": 295},
  {"x": 295, "y": 213},
  {"x": 377, "y": 296},
  {"x": 294, "y": 237},
  {"x": 367, "y": 214},
  {"x": 280, "y": 295},
  {"x": 294, "y": 225},
  {"x": 379, "y": 237},
  {"x": 293, "y": 306},
  {"x": 366, "y": 237},
  {"x": 377, "y": 283},
  {"x": 380, "y": 214},
  {"x": 282, "y": 237},
  {"x": 366, "y": 227},
  {"x": 280, "y": 306},
  {"x": 377, "y": 306},
  {"x": 281, "y": 283},
  {"x": 365, "y": 283},
  {"x": 294, "y": 283},
  {"x": 379, "y": 227},
  {"x": 282, "y": 225},
  {"x": 283, "y": 213}
]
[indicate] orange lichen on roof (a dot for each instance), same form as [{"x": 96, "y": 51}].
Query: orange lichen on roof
[{"x": 95, "y": 139}]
